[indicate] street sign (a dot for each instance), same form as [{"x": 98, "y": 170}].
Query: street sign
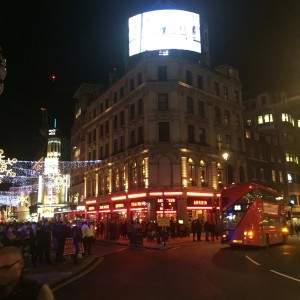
[{"x": 163, "y": 221}]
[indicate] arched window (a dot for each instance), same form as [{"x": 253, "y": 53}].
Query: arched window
[
  {"x": 133, "y": 180},
  {"x": 220, "y": 175},
  {"x": 203, "y": 173},
  {"x": 115, "y": 180},
  {"x": 142, "y": 174},
  {"x": 123, "y": 179},
  {"x": 191, "y": 172}
]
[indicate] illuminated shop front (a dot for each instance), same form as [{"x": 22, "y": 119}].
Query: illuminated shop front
[
  {"x": 104, "y": 209},
  {"x": 121, "y": 209},
  {"x": 202, "y": 205},
  {"x": 139, "y": 210},
  {"x": 91, "y": 209}
]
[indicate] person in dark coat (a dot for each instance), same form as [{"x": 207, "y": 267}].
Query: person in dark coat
[
  {"x": 207, "y": 230},
  {"x": 198, "y": 229},
  {"x": 194, "y": 230},
  {"x": 59, "y": 238},
  {"x": 77, "y": 240}
]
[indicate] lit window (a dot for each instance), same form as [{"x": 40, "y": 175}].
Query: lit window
[
  {"x": 260, "y": 120},
  {"x": 298, "y": 123},
  {"x": 268, "y": 118},
  {"x": 284, "y": 117},
  {"x": 248, "y": 134},
  {"x": 280, "y": 177},
  {"x": 273, "y": 175}
]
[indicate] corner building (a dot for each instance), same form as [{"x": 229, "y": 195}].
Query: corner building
[{"x": 160, "y": 132}]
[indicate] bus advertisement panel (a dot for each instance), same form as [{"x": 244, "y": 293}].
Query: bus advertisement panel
[{"x": 252, "y": 215}]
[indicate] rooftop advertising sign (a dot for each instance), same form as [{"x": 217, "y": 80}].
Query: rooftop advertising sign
[{"x": 164, "y": 30}]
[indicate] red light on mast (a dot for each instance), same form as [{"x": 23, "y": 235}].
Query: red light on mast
[{"x": 53, "y": 77}]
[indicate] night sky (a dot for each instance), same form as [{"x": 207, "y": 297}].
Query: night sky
[{"x": 80, "y": 41}]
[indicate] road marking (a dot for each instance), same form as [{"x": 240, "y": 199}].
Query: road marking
[
  {"x": 289, "y": 277},
  {"x": 252, "y": 260},
  {"x": 175, "y": 248},
  {"x": 273, "y": 271},
  {"x": 56, "y": 288}
]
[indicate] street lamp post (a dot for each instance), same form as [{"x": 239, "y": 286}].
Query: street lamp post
[{"x": 225, "y": 156}]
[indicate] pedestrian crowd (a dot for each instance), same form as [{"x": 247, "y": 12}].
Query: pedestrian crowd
[{"x": 38, "y": 240}]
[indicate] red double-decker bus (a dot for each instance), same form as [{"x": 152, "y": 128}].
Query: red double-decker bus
[{"x": 252, "y": 215}]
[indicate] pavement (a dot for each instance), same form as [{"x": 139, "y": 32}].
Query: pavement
[{"x": 57, "y": 275}]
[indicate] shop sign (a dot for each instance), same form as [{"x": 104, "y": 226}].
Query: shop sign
[
  {"x": 104, "y": 207},
  {"x": 119, "y": 205},
  {"x": 197, "y": 202},
  {"x": 91, "y": 208},
  {"x": 165, "y": 204},
  {"x": 141, "y": 204},
  {"x": 163, "y": 221}
]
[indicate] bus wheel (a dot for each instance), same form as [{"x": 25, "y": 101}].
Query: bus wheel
[{"x": 267, "y": 240}]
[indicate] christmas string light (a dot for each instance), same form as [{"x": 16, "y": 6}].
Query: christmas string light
[{"x": 6, "y": 165}]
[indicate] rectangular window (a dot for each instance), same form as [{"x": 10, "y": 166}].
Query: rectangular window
[
  {"x": 116, "y": 122},
  {"x": 101, "y": 130},
  {"x": 90, "y": 137},
  {"x": 191, "y": 134},
  {"x": 106, "y": 150},
  {"x": 132, "y": 138},
  {"x": 163, "y": 102},
  {"x": 116, "y": 145},
  {"x": 219, "y": 141},
  {"x": 217, "y": 115},
  {"x": 140, "y": 134},
  {"x": 200, "y": 82},
  {"x": 101, "y": 107},
  {"x": 216, "y": 89},
  {"x": 162, "y": 74},
  {"x": 280, "y": 177},
  {"x": 122, "y": 142},
  {"x": 201, "y": 109},
  {"x": 140, "y": 107},
  {"x": 163, "y": 132},
  {"x": 132, "y": 111},
  {"x": 273, "y": 175},
  {"x": 202, "y": 136},
  {"x": 122, "y": 118},
  {"x": 131, "y": 87},
  {"x": 189, "y": 104},
  {"x": 107, "y": 127},
  {"x": 94, "y": 134},
  {"x": 268, "y": 118},
  {"x": 225, "y": 92},
  {"x": 248, "y": 134},
  {"x": 262, "y": 174},
  {"x": 228, "y": 142},
  {"x": 189, "y": 77},
  {"x": 226, "y": 118}
]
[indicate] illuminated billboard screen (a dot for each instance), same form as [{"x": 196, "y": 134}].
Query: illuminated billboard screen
[{"x": 164, "y": 30}]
